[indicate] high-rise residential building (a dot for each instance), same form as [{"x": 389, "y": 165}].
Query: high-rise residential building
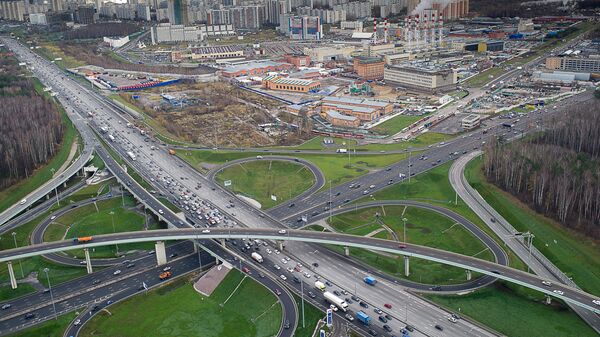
[
  {"x": 12, "y": 10},
  {"x": 85, "y": 14},
  {"x": 178, "y": 11},
  {"x": 326, "y": 15},
  {"x": 218, "y": 17},
  {"x": 355, "y": 10},
  {"x": 302, "y": 27},
  {"x": 167, "y": 32},
  {"x": 449, "y": 9},
  {"x": 57, "y": 5}
]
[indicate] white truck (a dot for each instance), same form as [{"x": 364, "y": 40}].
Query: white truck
[
  {"x": 338, "y": 302},
  {"x": 257, "y": 257},
  {"x": 111, "y": 137},
  {"x": 320, "y": 285},
  {"x": 131, "y": 155},
  {"x": 104, "y": 129}
]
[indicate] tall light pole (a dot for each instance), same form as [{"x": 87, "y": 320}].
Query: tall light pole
[
  {"x": 51, "y": 295},
  {"x": 14, "y": 235},
  {"x": 55, "y": 190},
  {"x": 404, "y": 220},
  {"x": 112, "y": 218},
  {"x": 409, "y": 164},
  {"x": 330, "y": 201},
  {"x": 302, "y": 296}
]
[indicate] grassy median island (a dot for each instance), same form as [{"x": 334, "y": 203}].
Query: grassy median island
[
  {"x": 337, "y": 168},
  {"x": 508, "y": 311},
  {"x": 95, "y": 219},
  {"x": 176, "y": 309},
  {"x": 50, "y": 328},
  {"x": 423, "y": 227},
  {"x": 261, "y": 179},
  {"x": 574, "y": 253}
]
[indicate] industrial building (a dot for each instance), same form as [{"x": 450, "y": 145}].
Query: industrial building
[
  {"x": 420, "y": 76},
  {"x": 369, "y": 68},
  {"x": 166, "y": 32},
  {"x": 254, "y": 68},
  {"x": 471, "y": 121},
  {"x": 298, "y": 60},
  {"x": 383, "y": 107},
  {"x": 275, "y": 82},
  {"x": 575, "y": 64},
  {"x": 561, "y": 77},
  {"x": 338, "y": 119}
]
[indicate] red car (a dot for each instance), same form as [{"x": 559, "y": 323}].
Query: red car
[
  {"x": 387, "y": 305},
  {"x": 246, "y": 270},
  {"x": 402, "y": 246}
]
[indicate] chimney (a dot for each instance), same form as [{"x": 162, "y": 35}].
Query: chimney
[
  {"x": 385, "y": 31},
  {"x": 374, "y": 31}
]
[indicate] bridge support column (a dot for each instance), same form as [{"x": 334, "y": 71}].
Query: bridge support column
[
  {"x": 406, "y": 266},
  {"x": 47, "y": 196},
  {"x": 11, "y": 273},
  {"x": 88, "y": 261},
  {"x": 161, "y": 254},
  {"x": 468, "y": 275},
  {"x": 65, "y": 184},
  {"x": 346, "y": 250},
  {"x": 222, "y": 242},
  {"x": 548, "y": 300},
  {"x": 280, "y": 244}
]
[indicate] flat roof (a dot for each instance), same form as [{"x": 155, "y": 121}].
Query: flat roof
[
  {"x": 253, "y": 65},
  {"x": 348, "y": 100},
  {"x": 335, "y": 114},
  {"x": 471, "y": 118},
  {"x": 355, "y": 108},
  {"x": 290, "y": 81}
]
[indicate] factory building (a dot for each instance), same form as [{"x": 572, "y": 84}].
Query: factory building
[
  {"x": 575, "y": 64},
  {"x": 374, "y": 109},
  {"x": 369, "y": 68},
  {"x": 421, "y": 77},
  {"x": 255, "y": 68},
  {"x": 341, "y": 120},
  {"x": 166, "y": 32},
  {"x": 275, "y": 82}
]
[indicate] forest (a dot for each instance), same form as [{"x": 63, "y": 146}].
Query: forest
[
  {"x": 30, "y": 125},
  {"x": 556, "y": 172},
  {"x": 99, "y": 30}
]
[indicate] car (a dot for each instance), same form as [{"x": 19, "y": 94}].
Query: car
[
  {"x": 96, "y": 282},
  {"x": 382, "y": 319},
  {"x": 558, "y": 292},
  {"x": 117, "y": 272},
  {"x": 372, "y": 332},
  {"x": 307, "y": 275},
  {"x": 402, "y": 246},
  {"x": 387, "y": 328},
  {"x": 283, "y": 277},
  {"x": 291, "y": 205},
  {"x": 131, "y": 265},
  {"x": 439, "y": 327},
  {"x": 311, "y": 294},
  {"x": 29, "y": 315},
  {"x": 378, "y": 311},
  {"x": 290, "y": 269},
  {"x": 173, "y": 255},
  {"x": 6, "y": 306},
  {"x": 496, "y": 272},
  {"x": 452, "y": 319},
  {"x": 77, "y": 322},
  {"x": 547, "y": 283},
  {"x": 316, "y": 265},
  {"x": 333, "y": 307},
  {"x": 410, "y": 328},
  {"x": 278, "y": 292},
  {"x": 53, "y": 217},
  {"x": 355, "y": 298},
  {"x": 283, "y": 261},
  {"x": 282, "y": 231},
  {"x": 493, "y": 219},
  {"x": 387, "y": 305},
  {"x": 596, "y": 302},
  {"x": 363, "y": 304},
  {"x": 206, "y": 231},
  {"x": 276, "y": 266},
  {"x": 22, "y": 202},
  {"x": 349, "y": 317},
  {"x": 286, "y": 325}
]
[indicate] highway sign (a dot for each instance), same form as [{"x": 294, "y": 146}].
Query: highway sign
[
  {"x": 227, "y": 183},
  {"x": 329, "y": 318},
  {"x": 322, "y": 333}
]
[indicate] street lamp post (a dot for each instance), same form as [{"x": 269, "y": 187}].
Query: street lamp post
[
  {"x": 302, "y": 293},
  {"x": 14, "y": 235},
  {"x": 112, "y": 218},
  {"x": 51, "y": 295}
]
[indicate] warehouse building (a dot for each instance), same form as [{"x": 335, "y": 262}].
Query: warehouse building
[
  {"x": 275, "y": 82},
  {"x": 383, "y": 107},
  {"x": 338, "y": 119},
  {"x": 255, "y": 68},
  {"x": 421, "y": 77}
]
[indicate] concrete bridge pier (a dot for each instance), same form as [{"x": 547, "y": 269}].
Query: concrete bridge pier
[
  {"x": 88, "y": 261},
  {"x": 548, "y": 300},
  {"x": 11, "y": 273},
  {"x": 161, "y": 253},
  {"x": 468, "y": 275},
  {"x": 222, "y": 242},
  {"x": 406, "y": 266},
  {"x": 346, "y": 250},
  {"x": 65, "y": 184},
  {"x": 280, "y": 245}
]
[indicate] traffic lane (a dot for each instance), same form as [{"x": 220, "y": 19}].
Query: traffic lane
[
  {"x": 93, "y": 280},
  {"x": 103, "y": 293},
  {"x": 458, "y": 260}
]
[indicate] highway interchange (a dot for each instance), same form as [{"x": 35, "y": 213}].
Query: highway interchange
[{"x": 151, "y": 162}]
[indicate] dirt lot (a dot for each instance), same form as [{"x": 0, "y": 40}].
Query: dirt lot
[{"x": 212, "y": 114}]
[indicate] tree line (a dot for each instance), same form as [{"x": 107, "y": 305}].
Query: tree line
[
  {"x": 557, "y": 172},
  {"x": 30, "y": 125}
]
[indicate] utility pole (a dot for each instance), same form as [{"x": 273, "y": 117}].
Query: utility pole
[
  {"x": 302, "y": 296},
  {"x": 112, "y": 218},
  {"x": 51, "y": 295},
  {"x": 409, "y": 164},
  {"x": 330, "y": 200}
]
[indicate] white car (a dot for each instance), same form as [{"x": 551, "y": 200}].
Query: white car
[
  {"x": 269, "y": 251},
  {"x": 277, "y": 252},
  {"x": 307, "y": 275},
  {"x": 283, "y": 231},
  {"x": 206, "y": 231},
  {"x": 283, "y": 261},
  {"x": 276, "y": 266},
  {"x": 283, "y": 277},
  {"x": 161, "y": 211},
  {"x": 333, "y": 307},
  {"x": 596, "y": 302},
  {"x": 290, "y": 269},
  {"x": 77, "y": 322},
  {"x": 166, "y": 268},
  {"x": 452, "y": 319},
  {"x": 53, "y": 217},
  {"x": 23, "y": 202},
  {"x": 117, "y": 272},
  {"x": 558, "y": 292},
  {"x": 547, "y": 283}
]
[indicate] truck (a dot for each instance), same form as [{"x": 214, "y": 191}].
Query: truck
[
  {"x": 111, "y": 137},
  {"x": 338, "y": 302},
  {"x": 165, "y": 275},
  {"x": 507, "y": 125},
  {"x": 256, "y": 256},
  {"x": 131, "y": 155},
  {"x": 320, "y": 285},
  {"x": 341, "y": 150},
  {"x": 363, "y": 318},
  {"x": 83, "y": 239},
  {"x": 172, "y": 152},
  {"x": 370, "y": 280}
]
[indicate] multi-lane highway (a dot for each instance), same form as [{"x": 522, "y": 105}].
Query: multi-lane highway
[{"x": 154, "y": 163}]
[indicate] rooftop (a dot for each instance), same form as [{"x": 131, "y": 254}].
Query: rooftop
[
  {"x": 252, "y": 65},
  {"x": 337, "y": 115},
  {"x": 353, "y": 101}
]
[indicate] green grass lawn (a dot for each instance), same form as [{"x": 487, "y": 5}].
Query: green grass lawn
[
  {"x": 18, "y": 191},
  {"x": 89, "y": 221},
  {"x": 336, "y": 168},
  {"x": 395, "y": 124},
  {"x": 51, "y": 328},
  {"x": 575, "y": 254},
  {"x": 261, "y": 179},
  {"x": 7, "y": 293},
  {"x": 434, "y": 187},
  {"x": 176, "y": 309},
  {"x": 169, "y": 205},
  {"x": 509, "y": 312},
  {"x": 312, "y": 315},
  {"x": 424, "y": 228}
]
